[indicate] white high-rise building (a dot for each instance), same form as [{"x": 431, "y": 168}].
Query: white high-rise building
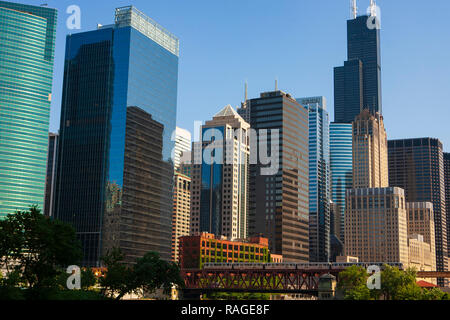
[
  {"x": 219, "y": 194},
  {"x": 182, "y": 140}
]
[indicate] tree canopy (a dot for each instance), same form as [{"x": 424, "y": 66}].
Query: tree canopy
[
  {"x": 148, "y": 274},
  {"x": 395, "y": 285}
]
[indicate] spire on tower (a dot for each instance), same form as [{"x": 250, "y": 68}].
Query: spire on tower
[
  {"x": 246, "y": 91},
  {"x": 354, "y": 8},
  {"x": 373, "y": 8}
]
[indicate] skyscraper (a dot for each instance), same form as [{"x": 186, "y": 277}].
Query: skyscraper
[
  {"x": 421, "y": 223},
  {"x": 319, "y": 178},
  {"x": 447, "y": 191},
  {"x": 182, "y": 140},
  {"x": 115, "y": 172},
  {"x": 51, "y": 170},
  {"x": 27, "y": 42},
  {"x": 370, "y": 157},
  {"x": 219, "y": 196},
  {"x": 417, "y": 165},
  {"x": 279, "y": 199},
  {"x": 376, "y": 225},
  {"x": 357, "y": 84},
  {"x": 341, "y": 161},
  {"x": 375, "y": 216},
  {"x": 181, "y": 219}
]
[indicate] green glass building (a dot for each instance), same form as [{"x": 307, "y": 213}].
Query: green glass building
[{"x": 27, "y": 41}]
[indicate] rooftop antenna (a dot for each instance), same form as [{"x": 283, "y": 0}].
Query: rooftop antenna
[
  {"x": 246, "y": 91},
  {"x": 276, "y": 84},
  {"x": 354, "y": 9},
  {"x": 373, "y": 8}
]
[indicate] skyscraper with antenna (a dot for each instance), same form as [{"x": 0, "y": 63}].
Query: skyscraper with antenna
[{"x": 357, "y": 84}]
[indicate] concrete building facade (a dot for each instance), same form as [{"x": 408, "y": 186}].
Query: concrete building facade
[
  {"x": 370, "y": 159},
  {"x": 181, "y": 219},
  {"x": 376, "y": 225}
]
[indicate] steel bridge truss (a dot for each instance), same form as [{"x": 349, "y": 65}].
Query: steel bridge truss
[{"x": 255, "y": 280}]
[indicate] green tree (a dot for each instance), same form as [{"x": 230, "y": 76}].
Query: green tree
[
  {"x": 395, "y": 285},
  {"x": 152, "y": 273},
  {"x": 353, "y": 284},
  {"x": 88, "y": 279},
  {"x": 118, "y": 280},
  {"x": 147, "y": 275},
  {"x": 399, "y": 285},
  {"x": 37, "y": 247}
]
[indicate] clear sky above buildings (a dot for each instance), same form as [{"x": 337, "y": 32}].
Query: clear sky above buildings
[{"x": 223, "y": 43}]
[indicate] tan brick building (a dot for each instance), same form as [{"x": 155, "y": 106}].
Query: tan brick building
[
  {"x": 376, "y": 225},
  {"x": 181, "y": 218},
  {"x": 370, "y": 159},
  {"x": 421, "y": 233}
]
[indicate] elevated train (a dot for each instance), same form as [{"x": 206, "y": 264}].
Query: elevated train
[{"x": 295, "y": 266}]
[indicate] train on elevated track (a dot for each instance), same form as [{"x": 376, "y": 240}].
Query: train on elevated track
[{"x": 295, "y": 266}]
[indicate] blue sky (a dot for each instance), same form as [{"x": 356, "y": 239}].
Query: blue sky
[{"x": 226, "y": 42}]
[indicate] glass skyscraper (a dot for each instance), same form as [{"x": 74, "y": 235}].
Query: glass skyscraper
[
  {"x": 27, "y": 41},
  {"x": 115, "y": 173},
  {"x": 220, "y": 179},
  {"x": 319, "y": 178},
  {"x": 341, "y": 161},
  {"x": 357, "y": 84}
]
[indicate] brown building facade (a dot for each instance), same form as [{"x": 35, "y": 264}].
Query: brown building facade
[{"x": 279, "y": 200}]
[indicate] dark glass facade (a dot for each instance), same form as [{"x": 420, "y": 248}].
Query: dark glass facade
[
  {"x": 279, "y": 204},
  {"x": 417, "y": 165},
  {"x": 357, "y": 85},
  {"x": 51, "y": 169},
  {"x": 27, "y": 41},
  {"x": 212, "y": 189},
  {"x": 118, "y": 115}
]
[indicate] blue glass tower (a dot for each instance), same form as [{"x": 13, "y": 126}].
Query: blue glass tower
[
  {"x": 27, "y": 41},
  {"x": 319, "y": 179},
  {"x": 114, "y": 181},
  {"x": 357, "y": 84},
  {"x": 341, "y": 160}
]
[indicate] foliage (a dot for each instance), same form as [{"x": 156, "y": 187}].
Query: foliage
[
  {"x": 353, "y": 283},
  {"x": 75, "y": 295},
  {"x": 88, "y": 279},
  {"x": 151, "y": 273},
  {"x": 118, "y": 280},
  {"x": 238, "y": 296},
  {"x": 32, "y": 249},
  {"x": 147, "y": 275},
  {"x": 395, "y": 285}
]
